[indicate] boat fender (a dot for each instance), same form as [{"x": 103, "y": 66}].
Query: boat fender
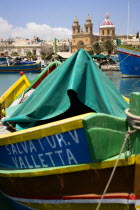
[{"x": 21, "y": 73}]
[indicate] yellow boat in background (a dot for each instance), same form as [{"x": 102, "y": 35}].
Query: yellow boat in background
[
  {"x": 12, "y": 93},
  {"x": 23, "y": 85},
  {"x": 126, "y": 99}
]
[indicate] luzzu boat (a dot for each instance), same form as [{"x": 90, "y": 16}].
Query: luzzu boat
[
  {"x": 27, "y": 66},
  {"x": 39, "y": 78},
  {"x": 129, "y": 61},
  {"x": 70, "y": 132},
  {"x": 67, "y": 164}
]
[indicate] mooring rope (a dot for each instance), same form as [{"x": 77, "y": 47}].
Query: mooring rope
[
  {"x": 125, "y": 58},
  {"x": 132, "y": 120}
]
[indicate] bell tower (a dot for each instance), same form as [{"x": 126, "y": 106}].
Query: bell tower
[
  {"x": 82, "y": 39},
  {"x": 76, "y": 29},
  {"x": 88, "y": 26}
]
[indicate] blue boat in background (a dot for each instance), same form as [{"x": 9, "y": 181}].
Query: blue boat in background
[
  {"x": 129, "y": 61},
  {"x": 6, "y": 66}
]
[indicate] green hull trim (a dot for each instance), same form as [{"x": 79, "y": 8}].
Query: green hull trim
[{"x": 105, "y": 135}]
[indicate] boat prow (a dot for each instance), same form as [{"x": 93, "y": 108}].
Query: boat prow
[{"x": 129, "y": 61}]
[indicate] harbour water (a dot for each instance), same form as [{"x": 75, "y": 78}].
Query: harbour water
[
  {"x": 124, "y": 85},
  {"x": 6, "y": 80}
]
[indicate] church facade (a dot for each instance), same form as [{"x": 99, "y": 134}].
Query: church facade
[{"x": 86, "y": 39}]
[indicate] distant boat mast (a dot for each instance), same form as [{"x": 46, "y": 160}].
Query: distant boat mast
[{"x": 128, "y": 19}]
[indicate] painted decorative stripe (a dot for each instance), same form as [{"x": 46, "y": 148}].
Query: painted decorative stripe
[
  {"x": 130, "y": 54},
  {"x": 26, "y": 68},
  {"x": 128, "y": 48},
  {"x": 31, "y": 64},
  {"x": 17, "y": 70},
  {"x": 124, "y": 199}
]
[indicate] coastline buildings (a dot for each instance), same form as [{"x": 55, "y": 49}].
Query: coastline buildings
[
  {"x": 81, "y": 38},
  {"x": 36, "y": 46},
  {"x": 20, "y": 46},
  {"x": 86, "y": 38}
]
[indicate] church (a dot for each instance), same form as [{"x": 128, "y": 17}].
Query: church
[{"x": 85, "y": 39}]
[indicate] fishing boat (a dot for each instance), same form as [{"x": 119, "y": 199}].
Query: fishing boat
[
  {"x": 15, "y": 67},
  {"x": 129, "y": 61},
  {"x": 17, "y": 92},
  {"x": 129, "y": 57},
  {"x": 13, "y": 92},
  {"x": 67, "y": 136}
]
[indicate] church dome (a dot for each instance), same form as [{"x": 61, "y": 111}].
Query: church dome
[{"x": 107, "y": 22}]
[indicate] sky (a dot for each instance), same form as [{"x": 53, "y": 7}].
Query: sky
[{"x": 54, "y": 18}]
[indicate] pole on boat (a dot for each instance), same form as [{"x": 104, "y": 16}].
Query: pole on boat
[
  {"x": 128, "y": 21},
  {"x": 55, "y": 46}
]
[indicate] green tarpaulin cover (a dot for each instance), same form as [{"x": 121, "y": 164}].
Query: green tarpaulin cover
[
  {"x": 78, "y": 77},
  {"x": 99, "y": 56}
]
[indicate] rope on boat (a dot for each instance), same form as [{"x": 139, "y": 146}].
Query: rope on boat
[
  {"x": 11, "y": 126},
  {"x": 125, "y": 58},
  {"x": 132, "y": 120}
]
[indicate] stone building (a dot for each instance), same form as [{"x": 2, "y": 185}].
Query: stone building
[
  {"x": 82, "y": 39},
  {"x": 85, "y": 39},
  {"x": 21, "y": 46},
  {"x": 35, "y": 46}
]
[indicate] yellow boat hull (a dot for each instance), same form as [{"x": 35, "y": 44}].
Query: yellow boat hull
[{"x": 12, "y": 93}]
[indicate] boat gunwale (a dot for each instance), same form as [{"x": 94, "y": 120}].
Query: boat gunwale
[
  {"x": 24, "y": 79},
  {"x": 128, "y": 48},
  {"x": 57, "y": 127}
]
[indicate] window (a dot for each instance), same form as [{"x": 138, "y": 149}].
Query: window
[
  {"x": 34, "y": 52},
  {"x": 19, "y": 51}
]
